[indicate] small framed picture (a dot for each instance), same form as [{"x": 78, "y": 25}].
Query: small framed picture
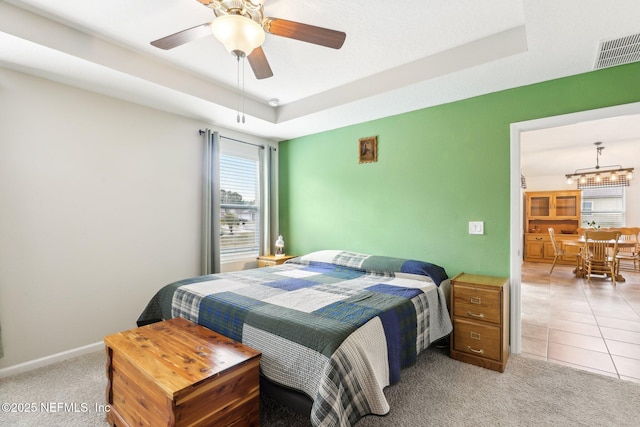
[{"x": 368, "y": 149}]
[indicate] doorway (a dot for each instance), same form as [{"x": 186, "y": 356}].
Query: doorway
[{"x": 516, "y": 249}]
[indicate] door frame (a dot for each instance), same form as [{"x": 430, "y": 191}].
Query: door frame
[{"x": 515, "y": 197}]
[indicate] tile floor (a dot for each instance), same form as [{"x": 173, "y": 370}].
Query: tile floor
[{"x": 587, "y": 325}]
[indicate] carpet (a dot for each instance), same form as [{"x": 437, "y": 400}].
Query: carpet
[{"x": 435, "y": 391}]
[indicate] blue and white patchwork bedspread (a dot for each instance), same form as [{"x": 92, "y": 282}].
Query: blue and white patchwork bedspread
[{"x": 338, "y": 326}]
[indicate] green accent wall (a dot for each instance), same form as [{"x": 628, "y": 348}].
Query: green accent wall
[{"x": 438, "y": 168}]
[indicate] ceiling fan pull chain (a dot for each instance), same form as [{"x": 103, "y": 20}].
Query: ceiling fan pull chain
[
  {"x": 243, "y": 61},
  {"x": 238, "y": 86}
]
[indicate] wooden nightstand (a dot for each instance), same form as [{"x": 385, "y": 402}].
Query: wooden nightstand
[
  {"x": 480, "y": 317},
  {"x": 271, "y": 260}
]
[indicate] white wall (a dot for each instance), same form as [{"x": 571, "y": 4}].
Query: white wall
[
  {"x": 546, "y": 183},
  {"x": 99, "y": 207}
]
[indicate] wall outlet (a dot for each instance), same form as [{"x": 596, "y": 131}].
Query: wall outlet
[{"x": 476, "y": 227}]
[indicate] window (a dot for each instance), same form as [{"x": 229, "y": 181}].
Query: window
[
  {"x": 604, "y": 206},
  {"x": 587, "y": 207},
  {"x": 239, "y": 202}
]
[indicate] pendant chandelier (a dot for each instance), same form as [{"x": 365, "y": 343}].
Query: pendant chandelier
[{"x": 601, "y": 176}]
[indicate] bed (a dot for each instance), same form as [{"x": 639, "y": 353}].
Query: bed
[{"x": 334, "y": 326}]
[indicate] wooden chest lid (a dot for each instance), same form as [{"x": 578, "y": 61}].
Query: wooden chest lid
[{"x": 178, "y": 353}]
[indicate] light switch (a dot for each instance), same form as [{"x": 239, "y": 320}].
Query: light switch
[{"x": 476, "y": 227}]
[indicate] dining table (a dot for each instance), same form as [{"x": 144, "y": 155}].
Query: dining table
[{"x": 579, "y": 270}]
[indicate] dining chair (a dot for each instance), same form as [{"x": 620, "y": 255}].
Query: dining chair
[
  {"x": 599, "y": 254},
  {"x": 557, "y": 251},
  {"x": 629, "y": 253}
]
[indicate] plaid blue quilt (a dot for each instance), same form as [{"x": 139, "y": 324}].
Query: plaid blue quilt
[{"x": 338, "y": 326}]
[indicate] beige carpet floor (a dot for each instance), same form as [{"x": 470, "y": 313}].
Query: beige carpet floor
[{"x": 436, "y": 391}]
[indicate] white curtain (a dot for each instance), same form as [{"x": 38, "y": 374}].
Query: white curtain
[{"x": 211, "y": 204}]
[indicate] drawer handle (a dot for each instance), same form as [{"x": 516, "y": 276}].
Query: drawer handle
[
  {"x": 475, "y": 300},
  {"x": 538, "y": 238},
  {"x": 477, "y": 316},
  {"x": 473, "y": 350}
]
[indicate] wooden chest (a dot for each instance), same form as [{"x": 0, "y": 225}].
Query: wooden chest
[
  {"x": 480, "y": 317},
  {"x": 177, "y": 373}
]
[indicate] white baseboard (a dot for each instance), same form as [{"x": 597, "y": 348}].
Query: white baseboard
[{"x": 48, "y": 360}]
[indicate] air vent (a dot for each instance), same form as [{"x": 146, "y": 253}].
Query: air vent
[{"x": 623, "y": 50}]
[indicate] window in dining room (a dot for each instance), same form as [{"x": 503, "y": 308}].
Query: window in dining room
[{"x": 605, "y": 206}]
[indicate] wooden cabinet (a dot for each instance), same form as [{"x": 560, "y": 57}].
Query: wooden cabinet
[
  {"x": 271, "y": 260},
  {"x": 559, "y": 210},
  {"x": 480, "y": 317},
  {"x": 178, "y": 373},
  {"x": 534, "y": 247},
  {"x": 538, "y": 248},
  {"x": 553, "y": 204}
]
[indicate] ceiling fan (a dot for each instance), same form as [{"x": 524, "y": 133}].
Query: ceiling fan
[{"x": 240, "y": 25}]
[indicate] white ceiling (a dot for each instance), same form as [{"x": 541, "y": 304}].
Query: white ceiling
[
  {"x": 396, "y": 58},
  {"x": 562, "y": 150}
]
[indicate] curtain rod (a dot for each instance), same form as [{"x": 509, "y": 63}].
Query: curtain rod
[{"x": 236, "y": 140}]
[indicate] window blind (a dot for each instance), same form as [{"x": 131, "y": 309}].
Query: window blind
[
  {"x": 605, "y": 206},
  {"x": 239, "y": 202}
]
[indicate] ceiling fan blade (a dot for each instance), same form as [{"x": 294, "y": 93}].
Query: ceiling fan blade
[
  {"x": 259, "y": 64},
  {"x": 183, "y": 37},
  {"x": 304, "y": 32}
]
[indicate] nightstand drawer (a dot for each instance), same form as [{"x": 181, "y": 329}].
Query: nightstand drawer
[
  {"x": 474, "y": 303},
  {"x": 266, "y": 263},
  {"x": 271, "y": 260},
  {"x": 477, "y": 339}
]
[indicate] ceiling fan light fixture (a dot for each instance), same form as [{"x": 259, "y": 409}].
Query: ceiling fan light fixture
[
  {"x": 254, "y": 3},
  {"x": 239, "y": 35}
]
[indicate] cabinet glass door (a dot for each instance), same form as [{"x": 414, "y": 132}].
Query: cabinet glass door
[
  {"x": 539, "y": 206},
  {"x": 566, "y": 206}
]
